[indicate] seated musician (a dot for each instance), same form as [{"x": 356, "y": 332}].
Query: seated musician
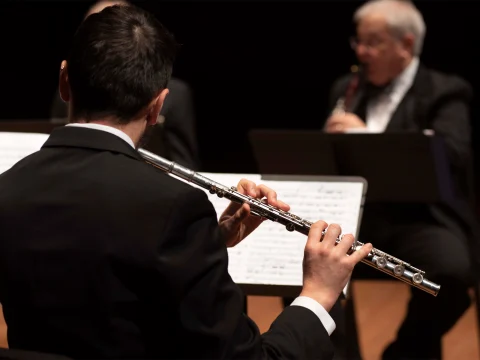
[
  {"x": 396, "y": 92},
  {"x": 104, "y": 256},
  {"x": 174, "y": 137}
]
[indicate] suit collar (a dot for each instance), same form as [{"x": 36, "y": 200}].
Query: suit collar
[
  {"x": 406, "y": 78},
  {"x": 409, "y": 114},
  {"x": 106, "y": 128},
  {"x": 421, "y": 92},
  {"x": 69, "y": 136},
  {"x": 422, "y": 82}
]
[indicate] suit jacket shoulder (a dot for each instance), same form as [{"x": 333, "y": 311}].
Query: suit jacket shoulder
[
  {"x": 442, "y": 103},
  {"x": 439, "y": 84},
  {"x": 149, "y": 176}
]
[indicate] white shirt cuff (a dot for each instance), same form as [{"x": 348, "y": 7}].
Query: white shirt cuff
[{"x": 318, "y": 310}]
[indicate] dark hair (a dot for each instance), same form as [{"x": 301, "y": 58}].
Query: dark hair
[{"x": 120, "y": 59}]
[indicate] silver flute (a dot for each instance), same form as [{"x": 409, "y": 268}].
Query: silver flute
[{"x": 376, "y": 258}]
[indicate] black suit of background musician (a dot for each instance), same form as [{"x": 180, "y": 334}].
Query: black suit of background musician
[{"x": 435, "y": 237}]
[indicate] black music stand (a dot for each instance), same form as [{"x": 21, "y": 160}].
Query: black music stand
[{"x": 399, "y": 167}]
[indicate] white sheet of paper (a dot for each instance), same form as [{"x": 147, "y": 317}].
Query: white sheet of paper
[
  {"x": 271, "y": 255},
  {"x": 14, "y": 146}
]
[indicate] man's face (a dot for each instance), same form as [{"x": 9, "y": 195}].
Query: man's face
[{"x": 380, "y": 53}]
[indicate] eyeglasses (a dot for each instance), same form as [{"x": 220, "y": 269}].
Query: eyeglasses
[{"x": 370, "y": 45}]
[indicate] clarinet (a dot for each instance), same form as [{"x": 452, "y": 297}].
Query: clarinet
[
  {"x": 343, "y": 103},
  {"x": 376, "y": 258}
]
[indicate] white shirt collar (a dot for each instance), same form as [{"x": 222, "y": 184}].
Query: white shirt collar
[
  {"x": 406, "y": 77},
  {"x": 106, "y": 128}
]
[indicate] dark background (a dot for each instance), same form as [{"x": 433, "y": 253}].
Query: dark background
[{"x": 251, "y": 64}]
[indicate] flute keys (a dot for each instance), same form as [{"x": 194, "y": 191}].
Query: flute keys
[
  {"x": 381, "y": 262},
  {"x": 255, "y": 213},
  {"x": 290, "y": 227},
  {"x": 398, "y": 270},
  {"x": 417, "y": 278}
]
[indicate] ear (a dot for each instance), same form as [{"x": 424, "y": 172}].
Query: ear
[
  {"x": 408, "y": 42},
  {"x": 156, "y": 107},
  {"x": 63, "y": 85}
]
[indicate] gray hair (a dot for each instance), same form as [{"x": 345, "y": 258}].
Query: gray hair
[{"x": 402, "y": 18}]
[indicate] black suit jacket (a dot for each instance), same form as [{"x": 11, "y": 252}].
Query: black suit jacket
[
  {"x": 104, "y": 256},
  {"x": 175, "y": 138},
  {"x": 440, "y": 102}
]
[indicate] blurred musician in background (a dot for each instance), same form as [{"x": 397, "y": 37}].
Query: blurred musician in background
[
  {"x": 174, "y": 137},
  {"x": 396, "y": 92},
  {"x": 105, "y": 256}
]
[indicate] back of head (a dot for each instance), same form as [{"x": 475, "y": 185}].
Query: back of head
[
  {"x": 100, "y": 5},
  {"x": 401, "y": 16},
  {"x": 121, "y": 58}
]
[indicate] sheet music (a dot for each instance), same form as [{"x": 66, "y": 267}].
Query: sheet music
[
  {"x": 271, "y": 254},
  {"x": 14, "y": 146}
]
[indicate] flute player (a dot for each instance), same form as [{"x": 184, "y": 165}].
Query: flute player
[{"x": 119, "y": 260}]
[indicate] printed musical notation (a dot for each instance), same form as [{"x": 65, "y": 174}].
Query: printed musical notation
[
  {"x": 15, "y": 146},
  {"x": 272, "y": 255}
]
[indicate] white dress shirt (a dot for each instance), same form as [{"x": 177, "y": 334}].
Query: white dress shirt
[
  {"x": 304, "y": 301},
  {"x": 106, "y": 128},
  {"x": 381, "y": 109}
]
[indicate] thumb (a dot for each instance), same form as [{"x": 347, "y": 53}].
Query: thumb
[{"x": 236, "y": 219}]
